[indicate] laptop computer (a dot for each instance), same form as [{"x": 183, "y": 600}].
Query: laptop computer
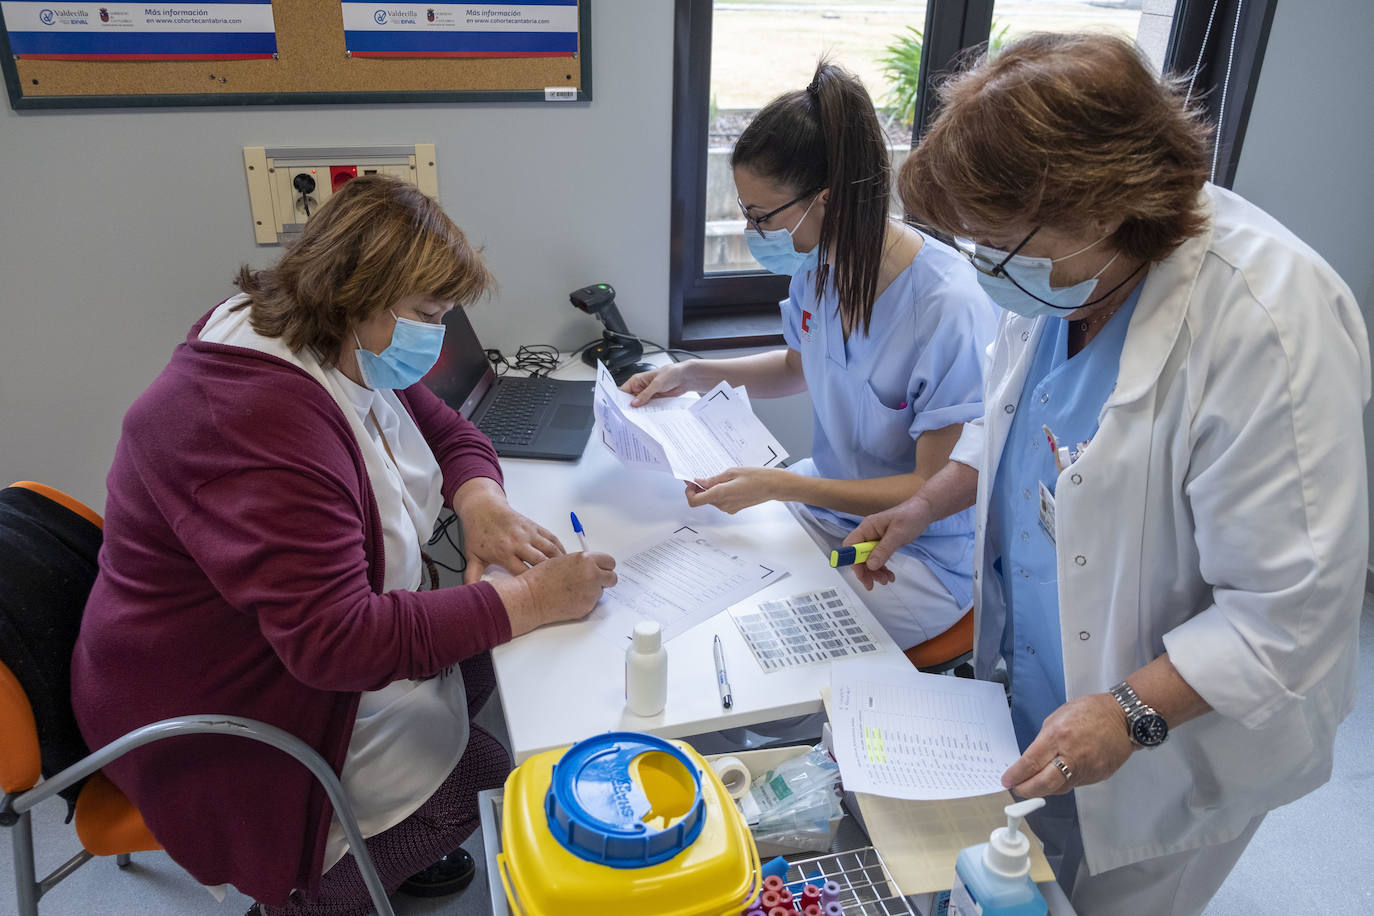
[{"x": 523, "y": 417}]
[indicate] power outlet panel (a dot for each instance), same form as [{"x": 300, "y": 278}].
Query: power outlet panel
[{"x": 288, "y": 184}]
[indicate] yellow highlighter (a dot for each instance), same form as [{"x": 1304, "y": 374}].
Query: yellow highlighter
[{"x": 854, "y": 553}]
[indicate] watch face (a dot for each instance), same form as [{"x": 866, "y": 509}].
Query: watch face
[{"x": 1149, "y": 730}]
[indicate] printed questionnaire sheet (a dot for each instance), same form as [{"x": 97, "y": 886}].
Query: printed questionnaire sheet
[
  {"x": 904, "y": 734},
  {"x": 689, "y": 438},
  {"x": 680, "y": 581}
]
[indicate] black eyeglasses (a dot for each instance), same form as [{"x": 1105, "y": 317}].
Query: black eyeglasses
[
  {"x": 981, "y": 264},
  {"x": 754, "y": 221},
  {"x": 985, "y": 266}
]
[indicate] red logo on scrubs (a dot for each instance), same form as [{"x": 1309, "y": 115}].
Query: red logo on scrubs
[{"x": 806, "y": 322}]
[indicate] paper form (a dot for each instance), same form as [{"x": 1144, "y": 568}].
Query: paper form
[
  {"x": 689, "y": 438},
  {"x": 625, "y": 440},
  {"x": 904, "y": 734},
  {"x": 919, "y": 840},
  {"x": 679, "y": 582}
]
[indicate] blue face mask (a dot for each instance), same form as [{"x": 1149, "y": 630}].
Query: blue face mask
[
  {"x": 1029, "y": 294},
  {"x": 775, "y": 250},
  {"x": 413, "y": 351}
]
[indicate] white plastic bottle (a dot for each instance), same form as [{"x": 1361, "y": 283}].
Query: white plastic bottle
[
  {"x": 993, "y": 878},
  {"x": 646, "y": 671}
]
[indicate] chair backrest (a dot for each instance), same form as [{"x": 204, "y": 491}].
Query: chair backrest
[
  {"x": 20, "y": 760},
  {"x": 946, "y": 648},
  {"x": 50, "y": 542}
]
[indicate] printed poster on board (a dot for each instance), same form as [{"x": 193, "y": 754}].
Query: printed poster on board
[
  {"x": 442, "y": 28},
  {"x": 156, "y": 30}
]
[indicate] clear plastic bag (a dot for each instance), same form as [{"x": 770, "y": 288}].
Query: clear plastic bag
[{"x": 796, "y": 801}]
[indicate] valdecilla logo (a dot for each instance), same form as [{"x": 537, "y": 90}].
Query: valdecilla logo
[
  {"x": 72, "y": 14},
  {"x": 396, "y": 15}
]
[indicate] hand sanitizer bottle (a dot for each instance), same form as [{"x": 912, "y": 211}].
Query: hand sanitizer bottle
[
  {"x": 646, "y": 671},
  {"x": 993, "y": 878}
]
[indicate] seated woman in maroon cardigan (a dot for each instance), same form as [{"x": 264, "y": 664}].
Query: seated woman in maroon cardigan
[{"x": 262, "y": 558}]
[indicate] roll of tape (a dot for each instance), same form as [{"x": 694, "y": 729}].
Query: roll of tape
[{"x": 734, "y": 775}]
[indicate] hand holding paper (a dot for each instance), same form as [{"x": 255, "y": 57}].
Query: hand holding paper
[
  {"x": 689, "y": 438},
  {"x": 905, "y": 734},
  {"x": 734, "y": 489}
]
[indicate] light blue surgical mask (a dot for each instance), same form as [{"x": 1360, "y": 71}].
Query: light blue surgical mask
[
  {"x": 1021, "y": 284},
  {"x": 775, "y": 250},
  {"x": 413, "y": 351}
]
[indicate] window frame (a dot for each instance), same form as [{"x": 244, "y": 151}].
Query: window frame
[
  {"x": 720, "y": 310},
  {"x": 740, "y": 308}
]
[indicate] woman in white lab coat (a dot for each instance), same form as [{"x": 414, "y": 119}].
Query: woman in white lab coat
[
  {"x": 1169, "y": 477},
  {"x": 885, "y": 328}
]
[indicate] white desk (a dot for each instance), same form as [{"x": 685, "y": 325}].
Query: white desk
[{"x": 561, "y": 683}]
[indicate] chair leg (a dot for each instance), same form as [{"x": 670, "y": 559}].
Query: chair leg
[
  {"x": 123, "y": 859},
  {"x": 25, "y": 878}
]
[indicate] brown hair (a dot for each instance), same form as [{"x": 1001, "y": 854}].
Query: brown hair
[
  {"x": 1062, "y": 130},
  {"x": 828, "y": 136},
  {"x": 372, "y": 244}
]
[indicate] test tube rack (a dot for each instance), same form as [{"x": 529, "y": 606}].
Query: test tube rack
[{"x": 866, "y": 886}]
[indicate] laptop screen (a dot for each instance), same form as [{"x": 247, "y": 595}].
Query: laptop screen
[{"x": 462, "y": 375}]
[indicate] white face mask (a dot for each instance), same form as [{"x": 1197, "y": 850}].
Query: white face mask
[{"x": 1021, "y": 284}]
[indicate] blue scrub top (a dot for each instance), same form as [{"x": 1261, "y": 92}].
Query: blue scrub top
[
  {"x": 919, "y": 368},
  {"x": 1066, "y": 395}
]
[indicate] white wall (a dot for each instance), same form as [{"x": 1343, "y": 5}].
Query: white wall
[
  {"x": 1306, "y": 157},
  {"x": 119, "y": 229}
]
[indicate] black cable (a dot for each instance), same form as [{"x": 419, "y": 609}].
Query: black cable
[
  {"x": 441, "y": 530},
  {"x": 535, "y": 360},
  {"x": 671, "y": 351},
  {"x": 539, "y": 360}
]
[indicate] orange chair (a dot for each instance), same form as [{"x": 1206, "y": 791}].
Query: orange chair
[
  {"x": 952, "y": 649},
  {"x": 107, "y": 823}
]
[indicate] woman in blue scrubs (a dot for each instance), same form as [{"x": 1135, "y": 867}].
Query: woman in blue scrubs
[{"x": 885, "y": 326}]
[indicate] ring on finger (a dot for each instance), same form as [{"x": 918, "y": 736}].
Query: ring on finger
[{"x": 1063, "y": 768}]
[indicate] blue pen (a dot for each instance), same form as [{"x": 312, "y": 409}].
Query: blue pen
[{"x": 577, "y": 529}]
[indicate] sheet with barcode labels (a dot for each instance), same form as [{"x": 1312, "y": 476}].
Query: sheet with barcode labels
[{"x": 804, "y": 629}]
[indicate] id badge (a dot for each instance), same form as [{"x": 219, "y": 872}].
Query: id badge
[{"x": 1047, "y": 512}]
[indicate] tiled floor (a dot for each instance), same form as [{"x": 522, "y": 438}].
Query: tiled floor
[{"x": 1313, "y": 854}]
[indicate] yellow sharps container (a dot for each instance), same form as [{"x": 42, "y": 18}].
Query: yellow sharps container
[{"x": 620, "y": 824}]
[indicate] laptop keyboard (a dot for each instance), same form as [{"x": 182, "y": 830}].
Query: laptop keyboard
[{"x": 517, "y": 404}]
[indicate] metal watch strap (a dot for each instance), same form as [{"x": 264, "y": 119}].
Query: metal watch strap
[
  {"x": 1126, "y": 696},
  {"x": 1134, "y": 707}
]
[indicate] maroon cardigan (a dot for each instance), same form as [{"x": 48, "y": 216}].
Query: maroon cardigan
[{"x": 241, "y": 574}]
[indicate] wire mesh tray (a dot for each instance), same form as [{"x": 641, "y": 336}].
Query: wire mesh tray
[{"x": 866, "y": 887}]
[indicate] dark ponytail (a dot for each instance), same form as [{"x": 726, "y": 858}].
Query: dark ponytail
[{"x": 828, "y": 136}]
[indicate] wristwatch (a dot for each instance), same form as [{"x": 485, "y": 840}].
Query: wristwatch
[{"x": 1144, "y": 726}]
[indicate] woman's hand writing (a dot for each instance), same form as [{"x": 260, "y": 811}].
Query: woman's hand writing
[{"x": 564, "y": 588}]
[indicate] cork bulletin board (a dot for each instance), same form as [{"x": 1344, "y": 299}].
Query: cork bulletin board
[{"x": 312, "y": 65}]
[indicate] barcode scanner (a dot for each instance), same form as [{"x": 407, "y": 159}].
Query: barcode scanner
[{"x": 619, "y": 349}]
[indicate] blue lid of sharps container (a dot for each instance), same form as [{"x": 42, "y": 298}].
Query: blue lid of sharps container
[{"x": 626, "y": 800}]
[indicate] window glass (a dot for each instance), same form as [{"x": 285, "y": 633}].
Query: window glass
[
  {"x": 1146, "y": 22},
  {"x": 763, "y": 48}
]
